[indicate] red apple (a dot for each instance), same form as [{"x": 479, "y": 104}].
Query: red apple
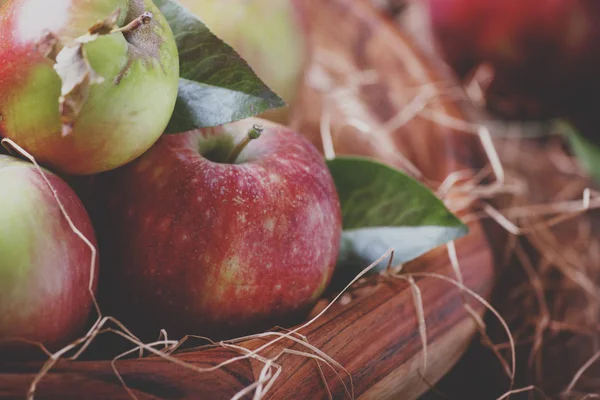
[
  {"x": 44, "y": 266},
  {"x": 196, "y": 243},
  {"x": 545, "y": 54},
  {"x": 271, "y": 35},
  {"x": 92, "y": 104}
]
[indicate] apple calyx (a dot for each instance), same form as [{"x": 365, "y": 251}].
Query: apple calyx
[
  {"x": 253, "y": 133},
  {"x": 73, "y": 67}
]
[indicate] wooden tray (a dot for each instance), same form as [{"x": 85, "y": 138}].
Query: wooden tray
[{"x": 374, "y": 335}]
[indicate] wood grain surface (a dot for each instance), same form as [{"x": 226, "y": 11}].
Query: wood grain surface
[
  {"x": 375, "y": 337},
  {"x": 373, "y": 333}
]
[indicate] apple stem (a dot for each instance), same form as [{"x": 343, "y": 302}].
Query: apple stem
[
  {"x": 143, "y": 19},
  {"x": 252, "y": 134}
]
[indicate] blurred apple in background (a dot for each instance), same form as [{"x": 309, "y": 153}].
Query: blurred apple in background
[
  {"x": 545, "y": 54},
  {"x": 198, "y": 240},
  {"x": 271, "y": 35},
  {"x": 44, "y": 265}
]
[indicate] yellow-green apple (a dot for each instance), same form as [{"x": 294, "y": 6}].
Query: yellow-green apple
[
  {"x": 210, "y": 233},
  {"x": 271, "y": 35},
  {"x": 85, "y": 86},
  {"x": 45, "y": 268},
  {"x": 544, "y": 53}
]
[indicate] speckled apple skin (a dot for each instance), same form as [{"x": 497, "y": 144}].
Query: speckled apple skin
[
  {"x": 206, "y": 248},
  {"x": 45, "y": 267}
]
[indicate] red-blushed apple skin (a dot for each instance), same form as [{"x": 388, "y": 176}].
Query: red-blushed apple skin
[
  {"x": 545, "y": 53},
  {"x": 118, "y": 122},
  {"x": 45, "y": 299},
  {"x": 198, "y": 247}
]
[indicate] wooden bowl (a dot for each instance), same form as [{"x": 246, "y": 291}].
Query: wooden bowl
[{"x": 373, "y": 332}]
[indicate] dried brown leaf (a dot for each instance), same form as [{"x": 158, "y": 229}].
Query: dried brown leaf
[
  {"x": 106, "y": 26},
  {"x": 77, "y": 75}
]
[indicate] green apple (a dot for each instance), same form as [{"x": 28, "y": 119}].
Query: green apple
[{"x": 86, "y": 86}]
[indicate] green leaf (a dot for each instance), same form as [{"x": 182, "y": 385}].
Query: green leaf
[
  {"x": 586, "y": 152},
  {"x": 383, "y": 208},
  {"x": 217, "y": 86}
]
